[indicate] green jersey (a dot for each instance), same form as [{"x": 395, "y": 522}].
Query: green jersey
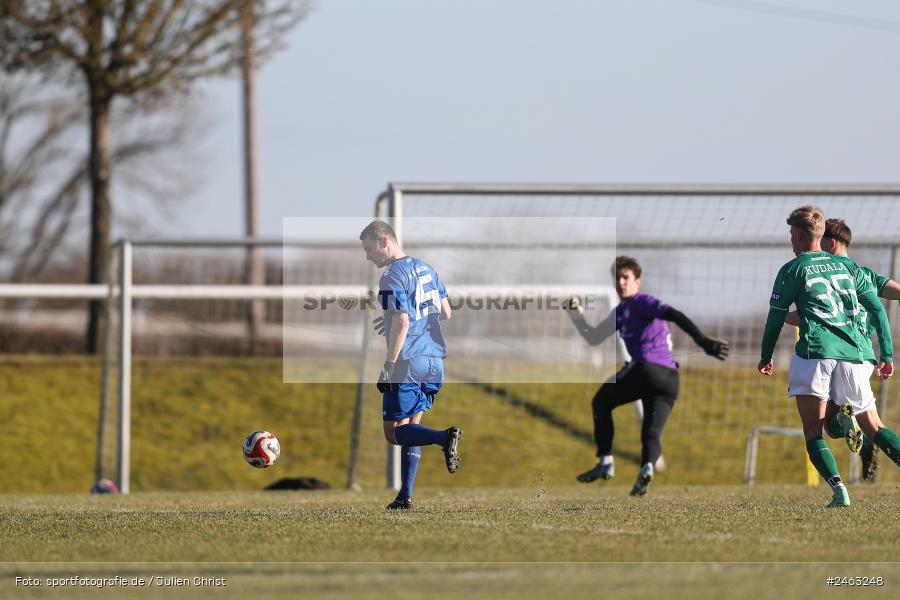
[
  {"x": 833, "y": 296},
  {"x": 878, "y": 282}
]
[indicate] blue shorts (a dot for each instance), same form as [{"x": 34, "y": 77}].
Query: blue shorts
[{"x": 420, "y": 380}]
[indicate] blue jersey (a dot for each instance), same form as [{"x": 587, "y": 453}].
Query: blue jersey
[{"x": 412, "y": 286}]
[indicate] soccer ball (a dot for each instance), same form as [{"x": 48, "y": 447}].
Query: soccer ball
[
  {"x": 261, "y": 449},
  {"x": 104, "y": 486}
]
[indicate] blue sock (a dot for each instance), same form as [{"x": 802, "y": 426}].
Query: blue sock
[
  {"x": 419, "y": 435},
  {"x": 409, "y": 464}
]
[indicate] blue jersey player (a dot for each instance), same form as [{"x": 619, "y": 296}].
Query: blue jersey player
[{"x": 414, "y": 300}]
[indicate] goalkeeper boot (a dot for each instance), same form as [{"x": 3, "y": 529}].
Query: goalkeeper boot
[
  {"x": 401, "y": 503},
  {"x": 853, "y": 435},
  {"x": 841, "y": 497},
  {"x": 643, "y": 481},
  {"x": 660, "y": 465},
  {"x": 451, "y": 450},
  {"x": 869, "y": 456},
  {"x": 601, "y": 471}
]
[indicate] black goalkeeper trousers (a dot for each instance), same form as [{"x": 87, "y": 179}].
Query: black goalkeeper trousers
[{"x": 656, "y": 386}]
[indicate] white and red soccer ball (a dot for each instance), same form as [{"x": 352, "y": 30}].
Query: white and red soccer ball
[
  {"x": 104, "y": 486},
  {"x": 261, "y": 449}
]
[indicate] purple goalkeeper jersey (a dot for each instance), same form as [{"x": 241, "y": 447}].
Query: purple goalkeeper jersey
[{"x": 645, "y": 334}]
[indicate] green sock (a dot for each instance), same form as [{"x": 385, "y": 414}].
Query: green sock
[
  {"x": 833, "y": 427},
  {"x": 889, "y": 441},
  {"x": 823, "y": 460}
]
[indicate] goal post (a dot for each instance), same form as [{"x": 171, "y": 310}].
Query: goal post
[
  {"x": 123, "y": 293},
  {"x": 710, "y": 250}
]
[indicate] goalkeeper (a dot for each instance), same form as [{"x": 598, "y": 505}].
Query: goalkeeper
[{"x": 652, "y": 374}]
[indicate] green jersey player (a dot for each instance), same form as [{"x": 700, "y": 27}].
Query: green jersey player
[
  {"x": 832, "y": 350},
  {"x": 841, "y": 421}
]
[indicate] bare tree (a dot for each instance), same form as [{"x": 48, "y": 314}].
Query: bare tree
[
  {"x": 130, "y": 48},
  {"x": 43, "y": 169},
  {"x": 25, "y": 159}
]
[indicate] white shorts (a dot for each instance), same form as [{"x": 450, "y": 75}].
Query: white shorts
[
  {"x": 850, "y": 385},
  {"x": 826, "y": 378}
]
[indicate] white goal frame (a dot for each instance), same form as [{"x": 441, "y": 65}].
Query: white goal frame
[
  {"x": 389, "y": 206},
  {"x": 127, "y": 292}
]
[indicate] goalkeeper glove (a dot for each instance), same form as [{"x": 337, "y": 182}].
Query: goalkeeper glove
[
  {"x": 715, "y": 348},
  {"x": 573, "y": 307},
  {"x": 384, "y": 378}
]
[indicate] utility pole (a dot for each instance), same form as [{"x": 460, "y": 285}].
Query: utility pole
[{"x": 254, "y": 267}]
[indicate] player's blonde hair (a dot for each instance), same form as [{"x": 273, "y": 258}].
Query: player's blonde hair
[{"x": 810, "y": 219}]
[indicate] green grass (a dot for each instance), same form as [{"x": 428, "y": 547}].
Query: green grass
[
  {"x": 585, "y": 523},
  {"x": 191, "y": 414},
  {"x": 705, "y": 541}
]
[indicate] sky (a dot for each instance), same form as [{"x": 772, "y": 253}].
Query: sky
[{"x": 569, "y": 91}]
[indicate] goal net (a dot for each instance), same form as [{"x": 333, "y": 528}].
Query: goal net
[
  {"x": 711, "y": 252},
  {"x": 204, "y": 355},
  {"x": 519, "y": 382}
]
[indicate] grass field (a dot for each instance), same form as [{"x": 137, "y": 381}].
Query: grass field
[
  {"x": 510, "y": 524},
  {"x": 190, "y": 415},
  {"x": 698, "y": 542}
]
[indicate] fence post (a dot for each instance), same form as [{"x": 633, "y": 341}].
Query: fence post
[
  {"x": 125, "y": 366},
  {"x": 395, "y": 212}
]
